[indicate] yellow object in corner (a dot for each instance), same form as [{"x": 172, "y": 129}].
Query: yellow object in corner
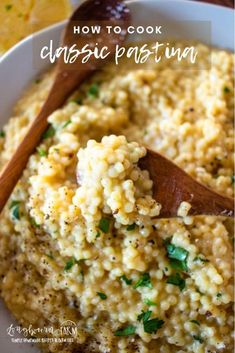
[{"x": 19, "y": 18}]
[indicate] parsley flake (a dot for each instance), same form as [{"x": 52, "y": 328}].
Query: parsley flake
[
  {"x": 15, "y": 209},
  {"x": 178, "y": 257},
  {"x": 126, "y": 280},
  {"x": 176, "y": 280},
  {"x": 69, "y": 264},
  {"x": 66, "y": 123},
  {"x": 144, "y": 316},
  {"x": 130, "y": 227},
  {"x": 2, "y": 134},
  {"x": 102, "y": 295},
  {"x": 226, "y": 89},
  {"x": 196, "y": 322},
  {"x": 127, "y": 331},
  {"x": 151, "y": 326},
  {"x": 34, "y": 223},
  {"x": 41, "y": 152},
  {"x": 50, "y": 132},
  {"x": 149, "y": 302},
  {"x": 200, "y": 259},
  {"x": 97, "y": 235},
  {"x": 198, "y": 338},
  {"x": 8, "y": 7},
  {"x": 144, "y": 281},
  {"x": 104, "y": 225},
  {"x": 93, "y": 91}
]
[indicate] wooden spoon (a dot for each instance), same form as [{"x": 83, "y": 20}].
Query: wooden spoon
[
  {"x": 68, "y": 77},
  {"x": 171, "y": 186}
]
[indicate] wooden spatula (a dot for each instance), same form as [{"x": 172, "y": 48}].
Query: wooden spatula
[{"x": 171, "y": 186}]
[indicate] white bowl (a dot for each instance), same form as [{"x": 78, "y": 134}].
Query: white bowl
[{"x": 19, "y": 67}]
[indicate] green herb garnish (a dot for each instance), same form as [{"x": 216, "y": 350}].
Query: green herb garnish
[
  {"x": 200, "y": 259},
  {"x": 104, "y": 225},
  {"x": 69, "y": 264},
  {"x": 130, "y": 227},
  {"x": 127, "y": 331},
  {"x": 77, "y": 101},
  {"x": 144, "y": 281},
  {"x": 97, "y": 235},
  {"x": 66, "y": 123},
  {"x": 102, "y": 295},
  {"x": 50, "y": 255},
  {"x": 15, "y": 209},
  {"x": 93, "y": 91},
  {"x": 34, "y": 223},
  {"x": 151, "y": 326},
  {"x": 149, "y": 302},
  {"x": 41, "y": 152},
  {"x": 2, "y": 134},
  {"x": 195, "y": 322},
  {"x": 144, "y": 316},
  {"x": 198, "y": 338},
  {"x": 226, "y": 89},
  {"x": 178, "y": 257},
  {"x": 176, "y": 280},
  {"x": 49, "y": 133},
  {"x": 8, "y": 7},
  {"x": 233, "y": 179},
  {"x": 218, "y": 295},
  {"x": 126, "y": 280}
]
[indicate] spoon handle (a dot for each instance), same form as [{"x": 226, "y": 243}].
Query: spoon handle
[{"x": 15, "y": 167}]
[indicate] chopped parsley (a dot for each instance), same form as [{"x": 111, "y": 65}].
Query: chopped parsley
[
  {"x": 50, "y": 132},
  {"x": 195, "y": 322},
  {"x": 127, "y": 331},
  {"x": 104, "y": 225},
  {"x": 233, "y": 179},
  {"x": 198, "y": 338},
  {"x": 151, "y": 326},
  {"x": 41, "y": 152},
  {"x": 176, "y": 280},
  {"x": 15, "y": 209},
  {"x": 34, "y": 223},
  {"x": 77, "y": 101},
  {"x": 200, "y": 259},
  {"x": 226, "y": 89},
  {"x": 126, "y": 280},
  {"x": 50, "y": 255},
  {"x": 144, "y": 316},
  {"x": 144, "y": 281},
  {"x": 130, "y": 227},
  {"x": 8, "y": 7},
  {"x": 149, "y": 302},
  {"x": 69, "y": 264},
  {"x": 2, "y": 134},
  {"x": 178, "y": 257},
  {"x": 102, "y": 295},
  {"x": 93, "y": 91},
  {"x": 97, "y": 235},
  {"x": 218, "y": 295},
  {"x": 66, "y": 123}
]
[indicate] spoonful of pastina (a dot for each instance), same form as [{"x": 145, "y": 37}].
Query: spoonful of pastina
[{"x": 68, "y": 77}]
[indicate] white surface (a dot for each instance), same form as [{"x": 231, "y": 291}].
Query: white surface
[{"x": 18, "y": 68}]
